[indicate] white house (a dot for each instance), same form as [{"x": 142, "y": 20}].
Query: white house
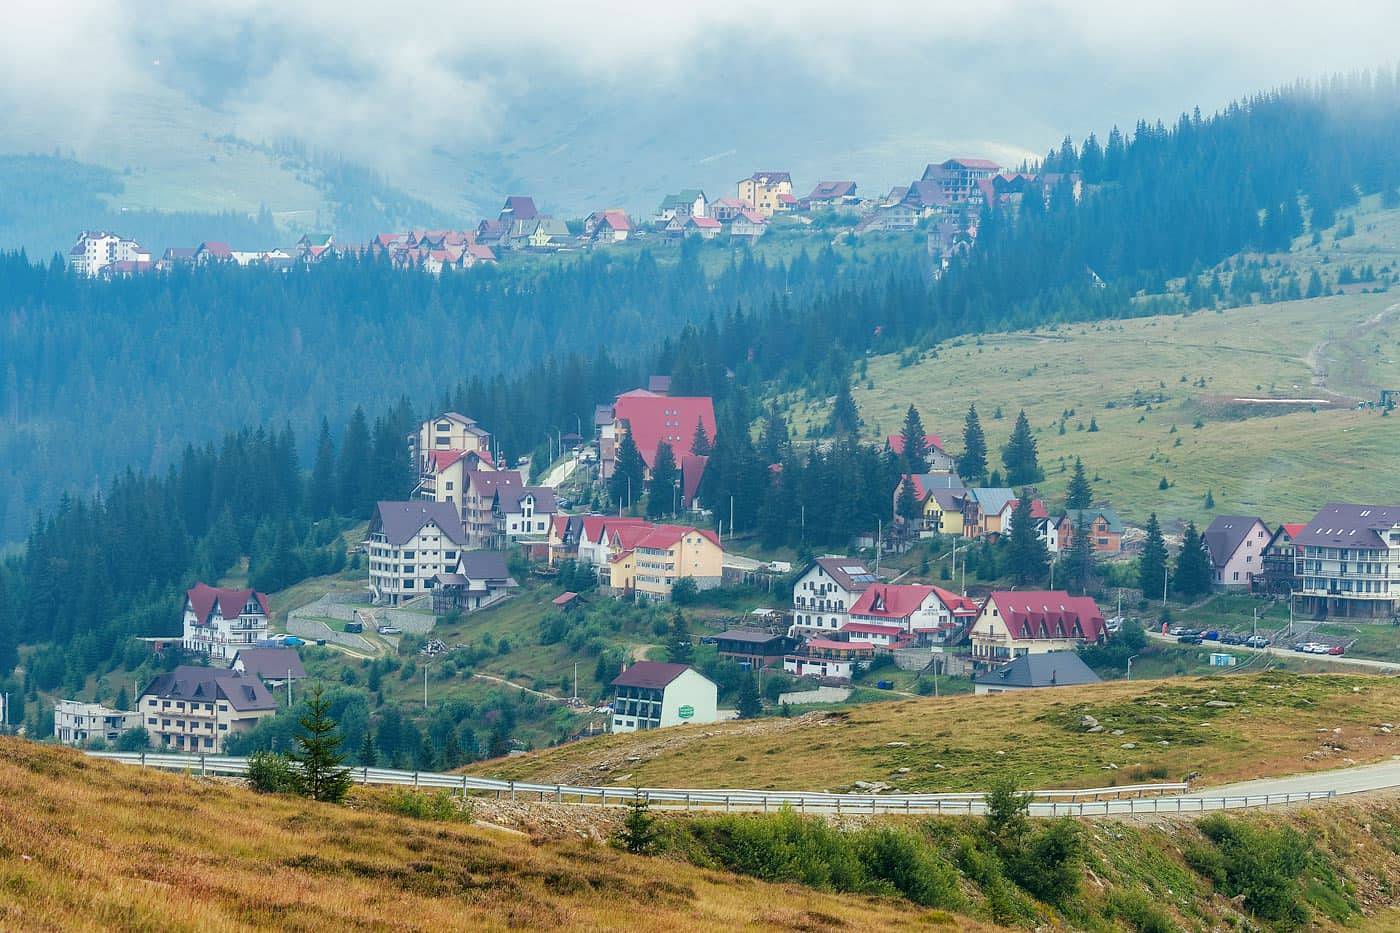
[
  {"x": 220, "y": 621},
  {"x": 1035, "y": 672},
  {"x": 1348, "y": 561},
  {"x": 1013, "y": 623},
  {"x": 823, "y": 596},
  {"x": 523, "y": 513},
  {"x": 929, "y": 613},
  {"x": 196, "y": 709},
  {"x": 95, "y": 250},
  {"x": 653, "y": 695},
  {"x": 77, "y": 723},
  {"x": 480, "y": 579},
  {"x": 594, "y": 547},
  {"x": 448, "y": 431},
  {"x": 478, "y": 502},
  {"x": 409, "y": 544}
]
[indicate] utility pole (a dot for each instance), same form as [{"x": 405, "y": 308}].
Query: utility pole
[
  {"x": 731, "y": 514},
  {"x": 425, "y": 686},
  {"x": 879, "y": 542},
  {"x": 1164, "y": 587},
  {"x": 575, "y": 680},
  {"x": 1130, "y": 665}
]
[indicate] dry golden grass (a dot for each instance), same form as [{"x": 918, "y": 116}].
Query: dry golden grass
[
  {"x": 90, "y": 845},
  {"x": 960, "y": 743}
]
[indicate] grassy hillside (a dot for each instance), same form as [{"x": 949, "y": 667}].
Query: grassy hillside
[
  {"x": 1148, "y": 382},
  {"x": 1270, "y": 726},
  {"x": 86, "y": 845}
]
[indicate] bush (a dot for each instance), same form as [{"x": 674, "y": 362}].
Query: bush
[
  {"x": 273, "y": 773},
  {"x": 1263, "y": 864},
  {"x": 134, "y": 740},
  {"x": 684, "y": 592},
  {"x": 1048, "y": 865},
  {"x": 1137, "y": 909},
  {"x": 439, "y": 807}
]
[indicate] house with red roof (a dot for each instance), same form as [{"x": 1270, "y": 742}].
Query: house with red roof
[
  {"x": 830, "y": 660},
  {"x": 608, "y": 226},
  {"x": 1013, "y": 623},
  {"x": 706, "y": 228},
  {"x": 449, "y": 431},
  {"x": 938, "y": 460},
  {"x": 692, "y": 474},
  {"x": 219, "y": 621},
  {"x": 593, "y": 538},
  {"x": 928, "y": 614},
  {"x": 647, "y": 560},
  {"x": 767, "y": 193},
  {"x": 652, "y": 418},
  {"x": 829, "y": 195},
  {"x": 211, "y": 251},
  {"x": 1280, "y": 560},
  {"x": 748, "y": 223}
]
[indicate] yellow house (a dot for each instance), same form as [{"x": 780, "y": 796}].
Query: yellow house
[
  {"x": 941, "y": 495},
  {"x": 675, "y": 552},
  {"x": 622, "y": 572},
  {"x": 767, "y": 192}
]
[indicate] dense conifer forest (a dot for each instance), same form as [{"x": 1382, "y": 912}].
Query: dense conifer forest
[{"x": 146, "y": 371}]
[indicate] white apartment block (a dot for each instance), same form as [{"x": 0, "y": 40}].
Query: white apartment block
[
  {"x": 409, "y": 544},
  {"x": 196, "y": 709},
  {"x": 96, "y": 249},
  {"x": 1348, "y": 561},
  {"x": 218, "y": 621},
  {"x": 77, "y": 723}
]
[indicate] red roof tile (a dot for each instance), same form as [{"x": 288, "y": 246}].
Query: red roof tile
[
  {"x": 203, "y": 598},
  {"x": 1048, "y": 614},
  {"x": 652, "y": 419},
  {"x": 891, "y": 600}
]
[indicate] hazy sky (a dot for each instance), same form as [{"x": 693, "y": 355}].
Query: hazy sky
[{"x": 388, "y": 82}]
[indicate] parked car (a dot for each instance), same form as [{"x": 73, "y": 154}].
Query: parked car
[
  {"x": 1336, "y": 650},
  {"x": 1256, "y": 641},
  {"x": 1230, "y": 638},
  {"x": 884, "y": 685},
  {"x": 292, "y": 641},
  {"x": 1192, "y": 638},
  {"x": 1177, "y": 630},
  {"x": 389, "y": 630},
  {"x": 1317, "y": 647},
  {"x": 1299, "y": 646},
  {"x": 1211, "y": 635}
]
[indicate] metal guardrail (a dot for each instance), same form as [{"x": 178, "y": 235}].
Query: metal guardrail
[{"x": 1127, "y": 800}]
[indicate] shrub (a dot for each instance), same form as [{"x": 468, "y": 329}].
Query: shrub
[
  {"x": 1260, "y": 863},
  {"x": 1049, "y": 862},
  {"x": 1137, "y": 909},
  {"x": 898, "y": 859},
  {"x": 440, "y": 806},
  {"x": 273, "y": 773}
]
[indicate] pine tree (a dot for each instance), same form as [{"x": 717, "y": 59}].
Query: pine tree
[
  {"x": 352, "y": 473},
  {"x": 681, "y": 650},
  {"x": 972, "y": 465},
  {"x": 638, "y": 833},
  {"x": 625, "y": 486},
  {"x": 661, "y": 489},
  {"x": 700, "y": 444},
  {"x": 1152, "y": 566},
  {"x": 1026, "y": 553},
  {"x": 750, "y": 703},
  {"x": 318, "y": 753},
  {"x": 1192, "y": 576},
  {"x": 368, "y": 758},
  {"x": 1081, "y": 556},
  {"x": 907, "y": 504},
  {"x": 1210, "y": 499},
  {"x": 1019, "y": 455},
  {"x": 845, "y": 417},
  {"x": 1080, "y": 494},
  {"x": 914, "y": 456}
]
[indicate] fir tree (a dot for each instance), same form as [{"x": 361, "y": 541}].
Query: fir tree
[
  {"x": 972, "y": 465},
  {"x": 1026, "y": 555},
  {"x": 368, "y": 758},
  {"x": 907, "y": 503},
  {"x": 750, "y": 703},
  {"x": 661, "y": 488},
  {"x": 1152, "y": 566},
  {"x": 1080, "y": 494},
  {"x": 1019, "y": 455},
  {"x": 1081, "y": 556},
  {"x": 681, "y": 649},
  {"x": 1210, "y": 499},
  {"x": 700, "y": 443},
  {"x": 1193, "y": 573},
  {"x": 845, "y": 417},
  {"x": 914, "y": 456},
  {"x": 353, "y": 471},
  {"x": 318, "y": 753},
  {"x": 638, "y": 834},
  {"x": 626, "y": 484}
]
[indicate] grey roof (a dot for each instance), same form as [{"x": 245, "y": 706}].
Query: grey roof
[
  {"x": 208, "y": 684},
  {"x": 483, "y": 565},
  {"x": 1051, "y": 669},
  {"x": 1343, "y": 525},
  {"x": 508, "y": 498},
  {"x": 1226, "y": 534},
  {"x": 748, "y": 635},
  {"x": 850, "y": 574},
  {"x": 271, "y": 663},
  {"x": 400, "y": 521},
  {"x": 991, "y": 499},
  {"x": 949, "y": 499},
  {"x": 1115, "y": 524},
  {"x": 683, "y": 198},
  {"x": 485, "y": 481}
]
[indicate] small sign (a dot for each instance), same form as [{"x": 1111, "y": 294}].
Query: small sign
[{"x": 685, "y": 712}]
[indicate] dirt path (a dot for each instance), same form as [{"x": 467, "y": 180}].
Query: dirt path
[
  {"x": 521, "y": 687},
  {"x": 1315, "y": 359}
]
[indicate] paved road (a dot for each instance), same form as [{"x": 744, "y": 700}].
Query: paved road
[
  {"x": 1355, "y": 780},
  {"x": 1387, "y": 667},
  {"x": 559, "y": 472}
]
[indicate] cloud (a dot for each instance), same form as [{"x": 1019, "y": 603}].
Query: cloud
[{"x": 388, "y": 83}]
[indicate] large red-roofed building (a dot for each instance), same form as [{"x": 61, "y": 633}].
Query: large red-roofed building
[{"x": 1013, "y": 623}]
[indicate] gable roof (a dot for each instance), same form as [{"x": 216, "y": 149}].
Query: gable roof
[
  {"x": 1045, "y": 614},
  {"x": 848, "y": 573},
  {"x": 400, "y": 521},
  {"x": 827, "y": 190},
  {"x": 925, "y": 483},
  {"x": 1115, "y": 524},
  {"x": 483, "y": 565},
  {"x": 692, "y": 473},
  {"x": 508, "y": 498},
  {"x": 1344, "y": 525},
  {"x": 209, "y": 684},
  {"x": 895, "y": 442},
  {"x": 204, "y": 598},
  {"x": 1048, "y": 669},
  {"x": 595, "y": 526},
  {"x": 649, "y": 674},
  {"x": 485, "y": 482},
  {"x": 991, "y": 499},
  {"x": 985, "y": 165},
  {"x": 666, "y": 536},
  {"x": 652, "y": 419},
  {"x": 1225, "y": 535},
  {"x": 891, "y": 600},
  {"x": 961, "y": 606},
  {"x": 770, "y": 178},
  {"x": 271, "y": 663},
  {"x": 704, "y": 223},
  {"x": 519, "y": 207}
]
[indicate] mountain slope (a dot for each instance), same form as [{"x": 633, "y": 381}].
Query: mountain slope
[{"x": 88, "y": 845}]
